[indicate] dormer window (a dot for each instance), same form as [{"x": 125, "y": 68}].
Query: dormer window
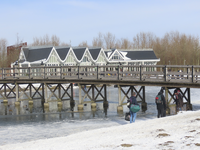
[
  {"x": 85, "y": 59},
  {"x": 116, "y": 57}
]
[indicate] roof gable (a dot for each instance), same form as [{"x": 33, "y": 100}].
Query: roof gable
[
  {"x": 62, "y": 52},
  {"x": 37, "y": 54},
  {"x": 94, "y": 52},
  {"x": 79, "y": 52}
]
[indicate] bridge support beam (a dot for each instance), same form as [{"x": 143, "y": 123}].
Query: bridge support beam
[
  {"x": 171, "y": 106},
  {"x": 92, "y": 92},
  {"x": 126, "y": 96}
]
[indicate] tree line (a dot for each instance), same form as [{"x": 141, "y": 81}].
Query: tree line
[{"x": 173, "y": 48}]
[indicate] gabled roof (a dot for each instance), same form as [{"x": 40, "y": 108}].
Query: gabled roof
[
  {"x": 94, "y": 52},
  {"x": 141, "y": 55},
  {"x": 79, "y": 52},
  {"x": 35, "y": 54},
  {"x": 62, "y": 52}
]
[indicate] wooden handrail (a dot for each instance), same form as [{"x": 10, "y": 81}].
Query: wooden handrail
[{"x": 153, "y": 73}]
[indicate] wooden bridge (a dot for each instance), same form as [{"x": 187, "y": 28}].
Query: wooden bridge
[{"x": 169, "y": 76}]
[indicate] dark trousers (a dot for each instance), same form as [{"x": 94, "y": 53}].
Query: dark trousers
[{"x": 160, "y": 112}]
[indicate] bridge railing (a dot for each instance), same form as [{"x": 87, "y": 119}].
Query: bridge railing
[{"x": 154, "y": 73}]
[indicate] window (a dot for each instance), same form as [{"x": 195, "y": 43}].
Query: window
[
  {"x": 85, "y": 59},
  {"x": 116, "y": 57}
]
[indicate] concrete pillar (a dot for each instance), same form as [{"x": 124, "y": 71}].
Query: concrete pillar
[
  {"x": 59, "y": 104},
  {"x": 80, "y": 107},
  {"x": 119, "y": 108},
  {"x": 46, "y": 107},
  {"x": 17, "y": 107},
  {"x": 5, "y": 103},
  {"x": 93, "y": 106},
  {"x": 30, "y": 105}
]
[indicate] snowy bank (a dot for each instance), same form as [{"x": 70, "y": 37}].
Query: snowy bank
[{"x": 181, "y": 131}]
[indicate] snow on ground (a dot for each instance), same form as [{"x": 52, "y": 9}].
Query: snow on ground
[{"x": 181, "y": 131}]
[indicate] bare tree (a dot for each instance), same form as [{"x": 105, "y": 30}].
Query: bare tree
[
  {"x": 98, "y": 41},
  {"x": 144, "y": 40},
  {"x": 109, "y": 39},
  {"x": 55, "y": 40},
  {"x": 83, "y": 44},
  {"x": 45, "y": 40},
  {"x": 125, "y": 44},
  {"x": 3, "y": 53}
]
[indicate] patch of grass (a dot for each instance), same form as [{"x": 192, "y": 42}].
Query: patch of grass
[
  {"x": 197, "y": 144},
  {"x": 187, "y": 137},
  {"x": 169, "y": 142},
  {"x": 192, "y": 131},
  {"x": 162, "y": 135},
  {"x": 126, "y": 145},
  {"x": 198, "y": 119},
  {"x": 160, "y": 130}
]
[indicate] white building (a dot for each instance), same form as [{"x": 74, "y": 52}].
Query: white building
[{"x": 79, "y": 56}]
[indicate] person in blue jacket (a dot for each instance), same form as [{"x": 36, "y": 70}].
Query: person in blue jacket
[{"x": 133, "y": 101}]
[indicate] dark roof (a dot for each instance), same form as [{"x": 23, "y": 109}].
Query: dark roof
[
  {"x": 37, "y": 53},
  {"x": 106, "y": 52},
  {"x": 79, "y": 52},
  {"x": 141, "y": 55},
  {"x": 95, "y": 52},
  {"x": 62, "y": 52}
]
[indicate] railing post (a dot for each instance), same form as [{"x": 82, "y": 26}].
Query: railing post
[
  {"x": 78, "y": 71},
  {"x": 97, "y": 72},
  {"x": 192, "y": 74},
  {"x": 2, "y": 73},
  {"x": 165, "y": 73},
  {"x": 60, "y": 72},
  {"x": 141, "y": 72},
  {"x": 118, "y": 72},
  {"x": 44, "y": 72},
  {"x": 29, "y": 72}
]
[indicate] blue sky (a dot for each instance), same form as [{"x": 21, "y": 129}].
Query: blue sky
[{"x": 78, "y": 21}]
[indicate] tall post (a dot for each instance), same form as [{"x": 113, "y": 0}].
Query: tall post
[
  {"x": 93, "y": 104},
  {"x": 17, "y": 103},
  {"x": 30, "y": 89},
  {"x": 144, "y": 104},
  {"x": 105, "y": 102},
  {"x": 72, "y": 102},
  {"x": 119, "y": 108},
  {"x": 46, "y": 104},
  {"x": 167, "y": 101},
  {"x": 43, "y": 97},
  {"x": 80, "y": 105},
  {"x": 188, "y": 105}
]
